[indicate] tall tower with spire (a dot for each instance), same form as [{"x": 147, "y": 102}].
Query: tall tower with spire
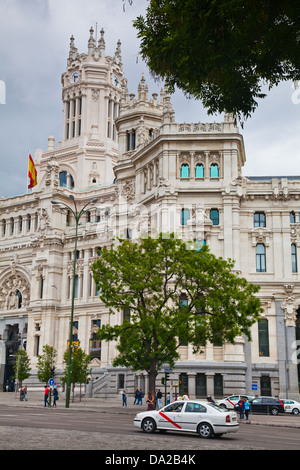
[{"x": 91, "y": 94}]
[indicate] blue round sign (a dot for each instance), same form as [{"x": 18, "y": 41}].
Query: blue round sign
[{"x": 51, "y": 382}]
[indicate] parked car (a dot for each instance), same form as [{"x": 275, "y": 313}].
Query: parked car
[
  {"x": 269, "y": 405},
  {"x": 231, "y": 401},
  {"x": 200, "y": 417},
  {"x": 291, "y": 406}
]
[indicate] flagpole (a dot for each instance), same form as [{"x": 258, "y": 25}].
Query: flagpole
[{"x": 27, "y": 172}]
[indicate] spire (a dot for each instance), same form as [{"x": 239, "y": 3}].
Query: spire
[
  {"x": 92, "y": 41},
  {"x": 118, "y": 57},
  {"x": 73, "y": 50},
  {"x": 142, "y": 89},
  {"x": 101, "y": 42}
]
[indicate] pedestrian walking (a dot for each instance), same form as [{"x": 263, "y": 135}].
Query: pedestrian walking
[
  {"x": 24, "y": 393},
  {"x": 55, "y": 397},
  {"x": 136, "y": 396},
  {"x": 124, "y": 398},
  {"x": 158, "y": 399},
  {"x": 46, "y": 396},
  {"x": 21, "y": 394},
  {"x": 168, "y": 398},
  {"x": 141, "y": 396},
  {"x": 241, "y": 405}
]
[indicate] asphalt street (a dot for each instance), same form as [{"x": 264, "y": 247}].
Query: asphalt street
[{"x": 97, "y": 424}]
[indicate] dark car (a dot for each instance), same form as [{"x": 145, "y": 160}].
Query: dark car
[{"x": 267, "y": 405}]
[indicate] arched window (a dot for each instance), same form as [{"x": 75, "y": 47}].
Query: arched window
[
  {"x": 183, "y": 300},
  {"x": 292, "y": 217},
  {"x": 185, "y": 171},
  {"x": 260, "y": 258},
  {"x": 185, "y": 215},
  {"x": 199, "y": 171},
  {"x": 19, "y": 295},
  {"x": 294, "y": 258},
  {"x": 214, "y": 216},
  {"x": 214, "y": 171},
  {"x": 131, "y": 140},
  {"x": 66, "y": 180}
]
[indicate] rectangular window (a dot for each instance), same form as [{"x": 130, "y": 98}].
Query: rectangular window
[
  {"x": 260, "y": 258},
  {"x": 263, "y": 338},
  {"x": 294, "y": 258},
  {"x": 214, "y": 216},
  {"x": 259, "y": 219},
  {"x": 41, "y": 286},
  {"x": 76, "y": 287},
  {"x": 126, "y": 314},
  {"x": 218, "y": 385},
  {"x": 185, "y": 215},
  {"x": 201, "y": 385}
]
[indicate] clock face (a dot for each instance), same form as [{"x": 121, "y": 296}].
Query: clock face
[
  {"x": 116, "y": 80},
  {"x": 74, "y": 77}
]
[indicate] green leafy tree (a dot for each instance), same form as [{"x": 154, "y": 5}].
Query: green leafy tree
[
  {"x": 22, "y": 368},
  {"x": 222, "y": 51},
  {"x": 170, "y": 294},
  {"x": 79, "y": 370},
  {"x": 45, "y": 363}
]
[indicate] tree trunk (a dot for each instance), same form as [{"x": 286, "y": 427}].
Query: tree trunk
[{"x": 152, "y": 374}]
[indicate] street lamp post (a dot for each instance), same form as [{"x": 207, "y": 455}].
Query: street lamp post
[{"x": 77, "y": 215}]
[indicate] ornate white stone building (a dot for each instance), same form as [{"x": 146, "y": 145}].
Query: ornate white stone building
[{"x": 149, "y": 174}]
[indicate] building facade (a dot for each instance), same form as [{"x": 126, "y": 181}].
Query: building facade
[{"x": 149, "y": 174}]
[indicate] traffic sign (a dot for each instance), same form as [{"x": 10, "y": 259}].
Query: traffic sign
[
  {"x": 51, "y": 382},
  {"x": 254, "y": 386},
  {"x": 168, "y": 370}
]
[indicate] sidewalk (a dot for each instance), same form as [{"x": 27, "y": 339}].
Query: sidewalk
[{"x": 105, "y": 405}]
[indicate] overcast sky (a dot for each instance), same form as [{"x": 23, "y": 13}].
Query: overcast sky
[{"x": 34, "y": 46}]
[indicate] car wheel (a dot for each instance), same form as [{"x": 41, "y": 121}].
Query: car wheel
[
  {"x": 274, "y": 411},
  {"x": 148, "y": 425},
  {"x": 223, "y": 406},
  {"x": 295, "y": 411},
  {"x": 205, "y": 430}
]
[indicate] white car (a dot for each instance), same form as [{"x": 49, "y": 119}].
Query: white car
[
  {"x": 232, "y": 401},
  {"x": 200, "y": 417},
  {"x": 291, "y": 406}
]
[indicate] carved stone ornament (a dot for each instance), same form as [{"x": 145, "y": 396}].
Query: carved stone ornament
[
  {"x": 289, "y": 306},
  {"x": 95, "y": 94},
  {"x": 260, "y": 235},
  {"x": 44, "y": 220},
  {"x": 127, "y": 190},
  {"x": 52, "y": 174},
  {"x": 14, "y": 293},
  {"x": 290, "y": 313}
]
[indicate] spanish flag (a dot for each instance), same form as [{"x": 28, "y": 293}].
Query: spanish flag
[{"x": 32, "y": 173}]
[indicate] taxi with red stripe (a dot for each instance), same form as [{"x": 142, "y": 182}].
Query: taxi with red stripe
[
  {"x": 196, "y": 416},
  {"x": 232, "y": 401}
]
